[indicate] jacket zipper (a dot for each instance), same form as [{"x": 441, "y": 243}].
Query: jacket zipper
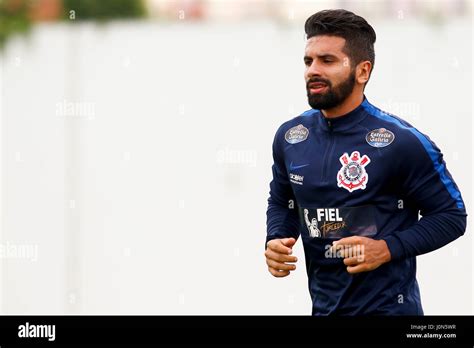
[{"x": 328, "y": 152}]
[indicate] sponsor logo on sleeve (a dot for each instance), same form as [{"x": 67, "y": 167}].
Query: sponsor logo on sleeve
[
  {"x": 380, "y": 137},
  {"x": 296, "y": 134}
]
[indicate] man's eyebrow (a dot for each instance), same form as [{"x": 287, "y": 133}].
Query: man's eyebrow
[{"x": 324, "y": 55}]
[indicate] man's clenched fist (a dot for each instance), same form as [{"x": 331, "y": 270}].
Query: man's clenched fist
[{"x": 278, "y": 255}]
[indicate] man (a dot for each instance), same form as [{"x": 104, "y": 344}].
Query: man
[
  {"x": 312, "y": 225},
  {"x": 361, "y": 176}
]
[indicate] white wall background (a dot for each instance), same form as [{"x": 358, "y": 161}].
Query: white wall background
[{"x": 150, "y": 196}]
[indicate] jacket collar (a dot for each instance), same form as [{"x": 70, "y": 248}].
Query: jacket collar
[{"x": 344, "y": 122}]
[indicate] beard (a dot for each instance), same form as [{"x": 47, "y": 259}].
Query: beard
[{"x": 334, "y": 95}]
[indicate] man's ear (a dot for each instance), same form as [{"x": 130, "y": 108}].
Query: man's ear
[{"x": 363, "y": 70}]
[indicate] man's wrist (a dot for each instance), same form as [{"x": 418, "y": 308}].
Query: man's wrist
[{"x": 386, "y": 255}]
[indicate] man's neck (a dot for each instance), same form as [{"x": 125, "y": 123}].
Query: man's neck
[{"x": 352, "y": 102}]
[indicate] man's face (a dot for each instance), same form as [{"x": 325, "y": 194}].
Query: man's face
[
  {"x": 314, "y": 222},
  {"x": 328, "y": 74}
]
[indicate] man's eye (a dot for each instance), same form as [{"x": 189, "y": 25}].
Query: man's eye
[
  {"x": 307, "y": 63},
  {"x": 327, "y": 61}
]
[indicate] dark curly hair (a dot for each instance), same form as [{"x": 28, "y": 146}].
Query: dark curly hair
[{"x": 359, "y": 35}]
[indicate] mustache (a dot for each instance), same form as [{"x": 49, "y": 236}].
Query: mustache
[{"x": 317, "y": 79}]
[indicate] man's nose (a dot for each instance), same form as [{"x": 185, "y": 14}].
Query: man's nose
[{"x": 313, "y": 70}]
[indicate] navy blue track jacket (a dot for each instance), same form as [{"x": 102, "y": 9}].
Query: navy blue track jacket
[{"x": 366, "y": 173}]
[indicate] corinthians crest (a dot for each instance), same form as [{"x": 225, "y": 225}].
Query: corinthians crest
[{"x": 352, "y": 176}]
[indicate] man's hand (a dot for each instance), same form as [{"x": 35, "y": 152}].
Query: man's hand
[
  {"x": 362, "y": 254},
  {"x": 278, "y": 254}
]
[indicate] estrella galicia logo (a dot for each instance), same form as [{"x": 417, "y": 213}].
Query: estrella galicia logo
[
  {"x": 296, "y": 134},
  {"x": 379, "y": 137},
  {"x": 352, "y": 176}
]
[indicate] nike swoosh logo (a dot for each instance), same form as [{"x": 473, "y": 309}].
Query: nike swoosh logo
[{"x": 292, "y": 167}]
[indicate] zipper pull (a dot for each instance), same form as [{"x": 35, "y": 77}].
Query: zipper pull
[{"x": 329, "y": 125}]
